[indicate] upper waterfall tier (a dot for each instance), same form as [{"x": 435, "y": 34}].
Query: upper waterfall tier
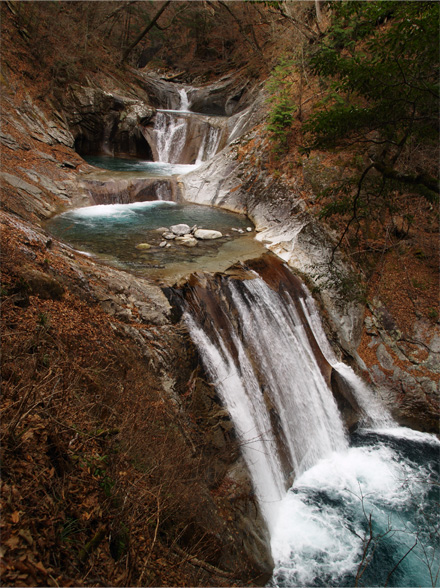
[{"x": 183, "y": 137}]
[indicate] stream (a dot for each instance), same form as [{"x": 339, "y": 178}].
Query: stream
[{"x": 342, "y": 508}]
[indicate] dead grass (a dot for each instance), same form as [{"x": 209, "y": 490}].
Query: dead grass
[{"x": 98, "y": 480}]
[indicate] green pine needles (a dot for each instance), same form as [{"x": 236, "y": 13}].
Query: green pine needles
[
  {"x": 283, "y": 108},
  {"x": 380, "y": 62}
]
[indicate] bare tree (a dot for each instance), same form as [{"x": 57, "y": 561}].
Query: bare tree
[{"x": 146, "y": 30}]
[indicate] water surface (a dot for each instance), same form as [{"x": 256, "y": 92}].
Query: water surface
[
  {"x": 111, "y": 232},
  {"x": 138, "y": 166}
]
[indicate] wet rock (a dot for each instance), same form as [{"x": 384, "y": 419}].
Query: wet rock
[
  {"x": 105, "y": 122},
  {"x": 143, "y": 246},
  {"x": 286, "y": 228},
  {"x": 42, "y": 285},
  {"x": 207, "y": 234},
  {"x": 187, "y": 240},
  {"x": 180, "y": 229},
  {"x": 105, "y": 189},
  {"x": 169, "y": 236}
]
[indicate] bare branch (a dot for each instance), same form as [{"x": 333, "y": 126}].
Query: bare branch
[{"x": 146, "y": 30}]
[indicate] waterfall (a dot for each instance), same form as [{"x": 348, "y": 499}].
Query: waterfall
[
  {"x": 374, "y": 413},
  {"x": 209, "y": 145},
  {"x": 184, "y": 100},
  {"x": 170, "y": 132},
  {"x": 239, "y": 389},
  {"x": 270, "y": 373},
  {"x": 262, "y": 344},
  {"x": 185, "y": 137}
]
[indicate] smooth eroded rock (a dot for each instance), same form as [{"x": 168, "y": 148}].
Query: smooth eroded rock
[
  {"x": 207, "y": 234},
  {"x": 181, "y": 229},
  {"x": 187, "y": 240}
]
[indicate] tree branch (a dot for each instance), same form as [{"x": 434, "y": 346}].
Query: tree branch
[
  {"x": 145, "y": 31},
  {"x": 354, "y": 215},
  {"x": 414, "y": 179}
]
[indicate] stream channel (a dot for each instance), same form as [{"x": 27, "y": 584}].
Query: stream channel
[{"x": 343, "y": 508}]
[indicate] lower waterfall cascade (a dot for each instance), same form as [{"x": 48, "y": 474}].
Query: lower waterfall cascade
[{"x": 338, "y": 507}]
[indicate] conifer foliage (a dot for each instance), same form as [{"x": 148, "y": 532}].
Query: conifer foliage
[{"x": 379, "y": 62}]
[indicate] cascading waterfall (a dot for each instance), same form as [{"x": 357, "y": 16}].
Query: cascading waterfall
[
  {"x": 209, "y": 145},
  {"x": 341, "y": 509},
  {"x": 170, "y": 131},
  {"x": 263, "y": 346},
  {"x": 182, "y": 136},
  {"x": 184, "y": 100}
]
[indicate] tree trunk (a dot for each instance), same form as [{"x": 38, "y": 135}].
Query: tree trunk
[
  {"x": 318, "y": 11},
  {"x": 145, "y": 31}
]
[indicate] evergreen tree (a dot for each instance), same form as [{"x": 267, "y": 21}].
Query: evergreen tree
[{"x": 380, "y": 62}]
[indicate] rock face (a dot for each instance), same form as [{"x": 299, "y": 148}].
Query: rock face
[
  {"x": 191, "y": 138},
  {"x": 141, "y": 315},
  {"x": 132, "y": 189},
  {"x": 100, "y": 121},
  {"x": 106, "y": 123},
  {"x": 406, "y": 379},
  {"x": 225, "y": 97},
  {"x": 283, "y": 224}
]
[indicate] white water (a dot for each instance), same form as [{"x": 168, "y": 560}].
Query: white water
[
  {"x": 273, "y": 358},
  {"x": 275, "y": 335},
  {"x": 263, "y": 361},
  {"x": 323, "y": 520},
  {"x": 239, "y": 389},
  {"x": 174, "y": 130},
  {"x": 114, "y": 210},
  {"x": 209, "y": 144},
  {"x": 170, "y": 131},
  {"x": 184, "y": 100}
]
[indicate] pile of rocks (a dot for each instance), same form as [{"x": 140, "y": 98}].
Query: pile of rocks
[
  {"x": 188, "y": 236},
  {"x": 185, "y": 235}
]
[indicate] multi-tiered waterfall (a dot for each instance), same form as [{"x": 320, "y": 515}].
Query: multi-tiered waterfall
[
  {"x": 262, "y": 344},
  {"x": 185, "y": 137},
  {"x": 343, "y": 508}
]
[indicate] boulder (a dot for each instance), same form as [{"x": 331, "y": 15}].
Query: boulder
[
  {"x": 180, "y": 230},
  {"x": 187, "y": 240},
  {"x": 143, "y": 246},
  {"x": 206, "y": 234}
]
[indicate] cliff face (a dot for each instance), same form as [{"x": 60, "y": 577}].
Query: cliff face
[{"x": 380, "y": 331}]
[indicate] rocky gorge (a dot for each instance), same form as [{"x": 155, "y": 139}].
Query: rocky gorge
[{"x": 212, "y": 525}]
